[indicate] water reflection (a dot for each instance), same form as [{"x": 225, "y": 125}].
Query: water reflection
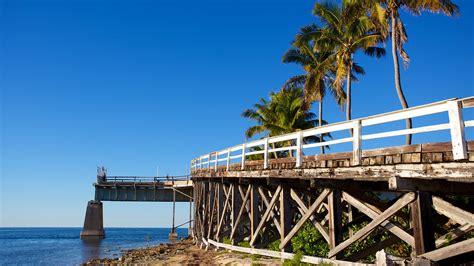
[{"x": 91, "y": 248}]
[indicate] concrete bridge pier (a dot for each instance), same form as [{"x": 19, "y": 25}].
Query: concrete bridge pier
[{"x": 93, "y": 222}]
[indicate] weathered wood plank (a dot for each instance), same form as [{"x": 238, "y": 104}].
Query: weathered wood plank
[
  {"x": 400, "y": 203},
  {"x": 266, "y": 214},
  {"x": 374, "y": 213},
  {"x": 308, "y": 213},
  {"x": 447, "y": 209},
  {"x": 286, "y": 216},
  {"x": 335, "y": 221},
  {"x": 450, "y": 251},
  {"x": 285, "y": 255},
  {"x": 421, "y": 218}
]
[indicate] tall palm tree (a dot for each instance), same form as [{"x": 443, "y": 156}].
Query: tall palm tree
[
  {"x": 387, "y": 16},
  {"x": 283, "y": 113},
  {"x": 346, "y": 30},
  {"x": 317, "y": 80}
]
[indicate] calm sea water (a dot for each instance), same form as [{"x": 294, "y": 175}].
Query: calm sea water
[{"x": 62, "y": 246}]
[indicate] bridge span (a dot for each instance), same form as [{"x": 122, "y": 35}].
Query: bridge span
[
  {"x": 413, "y": 201},
  {"x": 135, "y": 189}
]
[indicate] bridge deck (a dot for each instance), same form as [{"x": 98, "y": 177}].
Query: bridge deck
[
  {"x": 118, "y": 188},
  {"x": 421, "y": 161}
]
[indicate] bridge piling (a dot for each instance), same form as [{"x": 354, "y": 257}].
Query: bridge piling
[{"x": 93, "y": 222}]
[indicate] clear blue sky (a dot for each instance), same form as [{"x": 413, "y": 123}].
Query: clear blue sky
[{"x": 137, "y": 84}]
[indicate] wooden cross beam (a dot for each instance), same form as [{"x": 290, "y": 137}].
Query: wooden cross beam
[
  {"x": 305, "y": 217},
  {"x": 362, "y": 233},
  {"x": 266, "y": 214}
]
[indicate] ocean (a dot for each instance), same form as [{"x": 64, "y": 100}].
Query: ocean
[{"x": 62, "y": 246}]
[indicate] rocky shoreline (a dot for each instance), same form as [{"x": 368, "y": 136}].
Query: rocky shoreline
[{"x": 182, "y": 252}]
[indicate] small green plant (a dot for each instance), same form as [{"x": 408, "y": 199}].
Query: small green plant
[
  {"x": 245, "y": 244},
  {"x": 227, "y": 241},
  {"x": 296, "y": 260},
  {"x": 275, "y": 245}
]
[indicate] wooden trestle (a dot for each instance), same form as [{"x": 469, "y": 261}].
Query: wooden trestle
[
  {"x": 418, "y": 197},
  {"x": 262, "y": 212}
]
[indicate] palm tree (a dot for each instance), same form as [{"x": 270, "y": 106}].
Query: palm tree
[
  {"x": 346, "y": 30},
  {"x": 317, "y": 80},
  {"x": 283, "y": 113},
  {"x": 387, "y": 15}
]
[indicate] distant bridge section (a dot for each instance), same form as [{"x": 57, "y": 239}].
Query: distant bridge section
[{"x": 134, "y": 188}]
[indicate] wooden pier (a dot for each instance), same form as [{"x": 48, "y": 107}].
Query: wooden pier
[{"x": 421, "y": 194}]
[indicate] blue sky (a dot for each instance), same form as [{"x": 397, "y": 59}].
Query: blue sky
[{"x": 133, "y": 85}]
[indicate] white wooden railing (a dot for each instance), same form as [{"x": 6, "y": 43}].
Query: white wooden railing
[{"x": 455, "y": 125}]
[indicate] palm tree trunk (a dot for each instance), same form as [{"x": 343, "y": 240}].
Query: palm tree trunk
[
  {"x": 348, "y": 92},
  {"x": 321, "y": 122},
  {"x": 274, "y": 153},
  {"x": 398, "y": 85}
]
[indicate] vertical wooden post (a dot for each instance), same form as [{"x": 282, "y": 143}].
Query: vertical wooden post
[
  {"x": 456, "y": 122},
  {"x": 422, "y": 220},
  {"x": 299, "y": 149},
  {"x": 357, "y": 143},
  {"x": 349, "y": 218},
  {"x": 228, "y": 159},
  {"x": 265, "y": 154},
  {"x": 215, "y": 163},
  {"x": 209, "y": 161},
  {"x": 335, "y": 220},
  {"x": 254, "y": 211},
  {"x": 220, "y": 202},
  {"x": 243, "y": 156},
  {"x": 285, "y": 215},
  {"x": 234, "y": 210}
]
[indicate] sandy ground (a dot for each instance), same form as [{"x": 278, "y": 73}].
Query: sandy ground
[{"x": 184, "y": 253}]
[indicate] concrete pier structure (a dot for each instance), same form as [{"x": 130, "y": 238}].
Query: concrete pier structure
[{"x": 93, "y": 223}]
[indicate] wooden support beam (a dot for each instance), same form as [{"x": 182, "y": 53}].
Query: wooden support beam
[
  {"x": 423, "y": 228},
  {"x": 266, "y": 202},
  {"x": 453, "y": 250},
  {"x": 303, "y": 210},
  {"x": 254, "y": 211},
  {"x": 239, "y": 216},
  {"x": 454, "y": 234},
  {"x": 236, "y": 202},
  {"x": 447, "y": 209},
  {"x": 372, "y": 249},
  {"x": 266, "y": 214},
  {"x": 286, "y": 216},
  {"x": 398, "y": 205},
  {"x": 373, "y": 213},
  {"x": 308, "y": 213},
  {"x": 335, "y": 221}
]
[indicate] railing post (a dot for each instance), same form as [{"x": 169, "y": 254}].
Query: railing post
[
  {"x": 209, "y": 161},
  {"x": 299, "y": 149},
  {"x": 228, "y": 160},
  {"x": 215, "y": 163},
  {"x": 356, "y": 143},
  {"x": 265, "y": 154},
  {"x": 456, "y": 122},
  {"x": 243, "y": 156}
]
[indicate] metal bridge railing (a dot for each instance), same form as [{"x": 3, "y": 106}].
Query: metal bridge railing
[
  {"x": 456, "y": 125},
  {"x": 141, "y": 179}
]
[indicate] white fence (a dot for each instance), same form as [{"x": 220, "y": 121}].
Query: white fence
[{"x": 456, "y": 125}]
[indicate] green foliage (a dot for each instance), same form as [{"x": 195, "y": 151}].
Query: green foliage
[
  {"x": 227, "y": 241},
  {"x": 295, "y": 261},
  {"x": 283, "y": 113},
  {"x": 245, "y": 244},
  {"x": 275, "y": 245},
  {"x": 309, "y": 241}
]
